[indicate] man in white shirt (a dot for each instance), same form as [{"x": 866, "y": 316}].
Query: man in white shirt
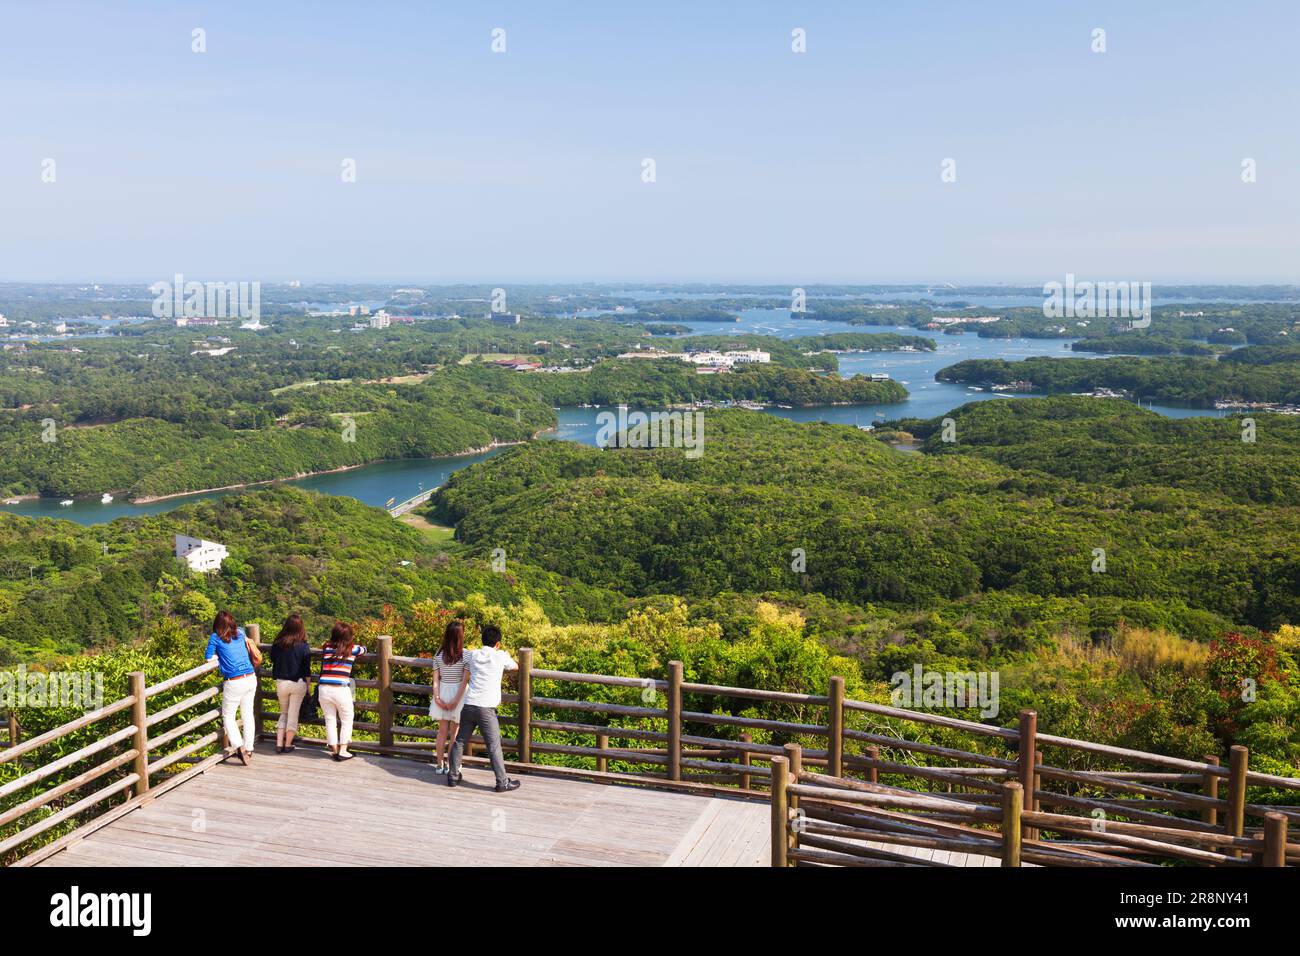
[{"x": 485, "y": 666}]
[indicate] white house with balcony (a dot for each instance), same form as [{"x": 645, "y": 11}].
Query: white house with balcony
[{"x": 202, "y": 556}]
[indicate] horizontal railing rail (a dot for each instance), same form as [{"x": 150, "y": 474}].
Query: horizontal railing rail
[
  {"x": 817, "y": 820},
  {"x": 857, "y": 770}
]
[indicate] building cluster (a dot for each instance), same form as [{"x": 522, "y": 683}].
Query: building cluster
[
  {"x": 939, "y": 321},
  {"x": 518, "y": 364},
  {"x": 706, "y": 361}
]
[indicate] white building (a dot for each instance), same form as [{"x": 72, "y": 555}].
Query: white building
[
  {"x": 748, "y": 356},
  {"x": 200, "y": 555},
  {"x": 381, "y": 320},
  {"x": 4, "y": 323},
  {"x": 728, "y": 359}
]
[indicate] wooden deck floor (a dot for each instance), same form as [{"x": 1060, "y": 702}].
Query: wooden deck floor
[
  {"x": 304, "y": 809},
  {"x": 946, "y": 857}
]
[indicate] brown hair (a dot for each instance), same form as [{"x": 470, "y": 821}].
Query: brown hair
[
  {"x": 293, "y": 632},
  {"x": 224, "y": 626},
  {"x": 340, "y": 642},
  {"x": 453, "y": 642}
]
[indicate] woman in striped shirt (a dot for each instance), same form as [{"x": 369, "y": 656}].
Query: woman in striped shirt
[
  {"x": 334, "y": 688},
  {"x": 448, "y": 690}
]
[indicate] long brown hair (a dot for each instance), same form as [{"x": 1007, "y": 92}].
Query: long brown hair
[
  {"x": 294, "y": 632},
  {"x": 340, "y": 642},
  {"x": 453, "y": 642},
  {"x": 224, "y": 626}
]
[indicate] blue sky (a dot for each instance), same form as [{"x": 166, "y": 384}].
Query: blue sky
[{"x": 771, "y": 166}]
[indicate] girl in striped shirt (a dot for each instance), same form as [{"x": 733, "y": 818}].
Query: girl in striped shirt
[
  {"x": 334, "y": 688},
  {"x": 448, "y": 690}
]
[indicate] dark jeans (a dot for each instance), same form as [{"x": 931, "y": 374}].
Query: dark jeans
[{"x": 483, "y": 719}]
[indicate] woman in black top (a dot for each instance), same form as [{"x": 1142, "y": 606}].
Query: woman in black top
[{"x": 291, "y": 668}]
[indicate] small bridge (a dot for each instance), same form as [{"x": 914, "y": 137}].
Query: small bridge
[
  {"x": 402, "y": 507},
  {"x": 622, "y": 770}
]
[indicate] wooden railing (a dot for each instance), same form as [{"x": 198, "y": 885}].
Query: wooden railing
[
  {"x": 12, "y": 728},
  {"x": 820, "y": 820},
  {"x": 126, "y": 749},
  {"x": 840, "y": 769}
]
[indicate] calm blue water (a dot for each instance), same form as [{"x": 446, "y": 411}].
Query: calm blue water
[{"x": 376, "y": 484}]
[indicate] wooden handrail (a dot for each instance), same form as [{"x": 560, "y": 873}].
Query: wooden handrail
[
  {"x": 803, "y": 775},
  {"x": 182, "y": 678},
  {"x": 35, "y": 743}
]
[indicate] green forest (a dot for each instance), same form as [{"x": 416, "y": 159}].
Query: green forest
[
  {"x": 618, "y": 560},
  {"x": 1195, "y": 382},
  {"x": 1123, "y": 572},
  {"x": 139, "y": 415}
]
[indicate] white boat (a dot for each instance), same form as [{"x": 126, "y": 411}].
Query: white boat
[
  {"x": 12, "y": 501},
  {"x": 65, "y": 503},
  {"x": 106, "y": 499}
]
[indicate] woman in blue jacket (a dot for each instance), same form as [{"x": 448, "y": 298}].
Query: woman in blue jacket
[{"x": 237, "y": 659}]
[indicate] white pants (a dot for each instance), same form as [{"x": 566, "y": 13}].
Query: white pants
[
  {"x": 238, "y": 694},
  {"x": 336, "y": 707},
  {"x": 291, "y": 693}
]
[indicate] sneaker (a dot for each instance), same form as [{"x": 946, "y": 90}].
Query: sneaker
[
  {"x": 452, "y": 779},
  {"x": 507, "y": 786}
]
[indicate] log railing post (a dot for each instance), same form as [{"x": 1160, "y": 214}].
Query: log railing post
[
  {"x": 1012, "y": 803},
  {"x": 1235, "y": 821},
  {"x": 139, "y": 717},
  {"x": 602, "y": 743},
  {"x": 835, "y": 731},
  {"x": 1274, "y": 839},
  {"x": 1033, "y": 805},
  {"x": 1025, "y": 762},
  {"x": 254, "y": 633},
  {"x": 674, "y": 720},
  {"x": 526, "y": 705},
  {"x": 14, "y": 732},
  {"x": 794, "y": 767},
  {"x": 745, "y": 779},
  {"x": 385, "y": 690},
  {"x": 780, "y": 813},
  {"x": 1210, "y": 787},
  {"x": 873, "y": 772}
]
